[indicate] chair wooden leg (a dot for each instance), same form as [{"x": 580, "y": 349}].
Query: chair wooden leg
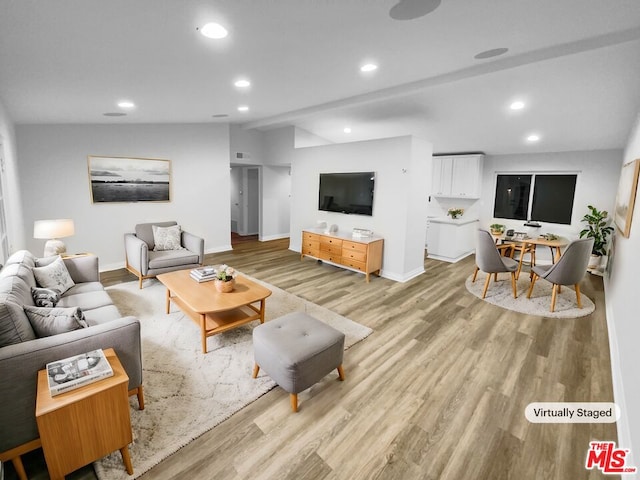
[
  {"x": 578, "y": 295},
  {"x": 475, "y": 274},
  {"x": 533, "y": 282},
  {"x": 486, "y": 285},
  {"x": 294, "y": 402},
  {"x": 341, "y": 373},
  {"x": 256, "y": 369},
  {"x": 513, "y": 284},
  {"x": 17, "y": 465},
  {"x": 554, "y": 295},
  {"x": 139, "y": 393},
  {"x": 140, "y": 282}
]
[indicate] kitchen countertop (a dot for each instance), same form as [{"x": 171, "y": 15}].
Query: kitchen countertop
[{"x": 459, "y": 221}]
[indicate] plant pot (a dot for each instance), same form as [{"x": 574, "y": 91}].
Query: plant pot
[
  {"x": 594, "y": 262},
  {"x": 225, "y": 287},
  {"x": 497, "y": 232}
]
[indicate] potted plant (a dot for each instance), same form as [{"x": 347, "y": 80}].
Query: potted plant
[
  {"x": 597, "y": 228},
  {"x": 497, "y": 228},
  {"x": 455, "y": 212},
  {"x": 225, "y": 279}
]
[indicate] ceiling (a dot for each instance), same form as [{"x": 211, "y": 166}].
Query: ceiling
[{"x": 576, "y": 63}]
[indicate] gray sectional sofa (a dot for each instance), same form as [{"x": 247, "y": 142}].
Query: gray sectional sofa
[{"x": 22, "y": 353}]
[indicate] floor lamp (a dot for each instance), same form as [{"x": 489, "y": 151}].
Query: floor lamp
[{"x": 52, "y": 230}]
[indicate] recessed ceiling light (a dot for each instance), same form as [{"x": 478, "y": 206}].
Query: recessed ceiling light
[
  {"x": 213, "y": 30},
  {"x": 242, "y": 83},
  {"x": 534, "y": 137},
  {"x": 126, "y": 104},
  {"x": 347, "y": 130},
  {"x": 410, "y": 9},
  {"x": 243, "y": 108},
  {"x": 491, "y": 53},
  {"x": 114, "y": 114},
  {"x": 517, "y": 105},
  {"x": 369, "y": 67}
]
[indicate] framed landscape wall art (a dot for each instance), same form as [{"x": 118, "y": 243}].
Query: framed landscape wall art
[
  {"x": 626, "y": 196},
  {"x": 123, "y": 179}
]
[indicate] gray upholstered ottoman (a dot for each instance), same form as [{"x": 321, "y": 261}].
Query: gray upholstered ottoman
[{"x": 297, "y": 350}]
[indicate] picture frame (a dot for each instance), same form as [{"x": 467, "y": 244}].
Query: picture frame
[
  {"x": 129, "y": 179},
  {"x": 625, "y": 198}
]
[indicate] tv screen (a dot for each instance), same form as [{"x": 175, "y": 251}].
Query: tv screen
[{"x": 347, "y": 192}]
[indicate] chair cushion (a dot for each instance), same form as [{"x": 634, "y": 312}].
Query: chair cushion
[
  {"x": 24, "y": 257},
  {"x": 14, "y": 324},
  {"x": 166, "y": 238},
  {"x": 171, "y": 258},
  {"x": 52, "y": 321},
  {"x": 144, "y": 231}
]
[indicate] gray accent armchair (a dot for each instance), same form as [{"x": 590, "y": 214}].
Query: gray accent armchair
[
  {"x": 489, "y": 260},
  {"x": 569, "y": 270},
  {"x": 144, "y": 262}
]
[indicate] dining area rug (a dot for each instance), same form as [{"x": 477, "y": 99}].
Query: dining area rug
[
  {"x": 187, "y": 392},
  {"x": 500, "y": 293}
]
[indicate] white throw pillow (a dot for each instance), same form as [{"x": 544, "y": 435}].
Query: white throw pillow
[
  {"x": 166, "y": 238},
  {"x": 55, "y": 276}
]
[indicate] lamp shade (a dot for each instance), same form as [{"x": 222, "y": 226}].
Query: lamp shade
[{"x": 48, "y": 229}]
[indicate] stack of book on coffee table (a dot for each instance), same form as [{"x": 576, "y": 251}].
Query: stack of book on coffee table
[{"x": 203, "y": 274}]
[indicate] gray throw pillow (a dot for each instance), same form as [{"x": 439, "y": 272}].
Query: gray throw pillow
[
  {"x": 166, "y": 238},
  {"x": 45, "y": 297},
  {"x": 55, "y": 275},
  {"x": 53, "y": 321}
]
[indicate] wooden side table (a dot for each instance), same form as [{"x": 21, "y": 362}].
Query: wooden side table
[{"x": 85, "y": 424}]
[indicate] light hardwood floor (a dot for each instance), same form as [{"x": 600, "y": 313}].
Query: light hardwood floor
[{"x": 438, "y": 391}]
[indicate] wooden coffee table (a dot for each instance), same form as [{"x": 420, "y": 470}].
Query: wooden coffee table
[{"x": 213, "y": 311}]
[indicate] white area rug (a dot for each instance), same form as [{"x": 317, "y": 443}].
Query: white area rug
[
  {"x": 187, "y": 392},
  {"x": 500, "y": 293}
]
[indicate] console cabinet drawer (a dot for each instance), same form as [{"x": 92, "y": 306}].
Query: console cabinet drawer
[
  {"x": 354, "y": 246},
  {"x": 355, "y": 264},
  {"x": 331, "y": 248},
  {"x": 310, "y": 250},
  {"x": 330, "y": 257},
  {"x": 365, "y": 256},
  {"x": 354, "y": 255}
]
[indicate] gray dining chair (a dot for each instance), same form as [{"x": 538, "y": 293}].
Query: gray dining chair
[
  {"x": 489, "y": 260},
  {"x": 569, "y": 270}
]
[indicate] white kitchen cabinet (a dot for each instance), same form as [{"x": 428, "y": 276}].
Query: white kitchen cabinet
[
  {"x": 457, "y": 176},
  {"x": 451, "y": 240}
]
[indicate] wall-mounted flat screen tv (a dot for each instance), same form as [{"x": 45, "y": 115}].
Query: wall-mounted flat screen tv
[{"x": 347, "y": 192}]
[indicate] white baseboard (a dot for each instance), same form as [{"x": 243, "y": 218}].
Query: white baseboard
[
  {"x": 223, "y": 248},
  {"x": 266, "y": 238},
  {"x": 402, "y": 278},
  {"x": 624, "y": 432},
  {"x": 449, "y": 259}
]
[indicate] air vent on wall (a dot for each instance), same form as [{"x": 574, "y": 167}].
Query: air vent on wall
[{"x": 242, "y": 155}]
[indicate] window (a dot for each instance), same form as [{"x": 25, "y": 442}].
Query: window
[{"x": 536, "y": 197}]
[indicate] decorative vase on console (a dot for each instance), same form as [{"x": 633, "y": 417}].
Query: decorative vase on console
[{"x": 225, "y": 280}]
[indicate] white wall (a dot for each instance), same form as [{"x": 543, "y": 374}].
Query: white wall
[
  {"x": 621, "y": 294},
  {"x": 596, "y": 185},
  {"x": 55, "y": 184},
  {"x": 13, "y": 203},
  {"x": 250, "y": 142},
  {"x": 403, "y": 178},
  {"x": 279, "y": 146},
  {"x": 276, "y": 202}
]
